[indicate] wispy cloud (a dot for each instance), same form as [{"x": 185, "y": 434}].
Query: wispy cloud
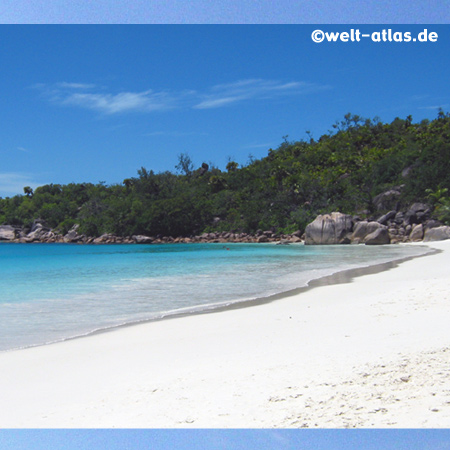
[
  {"x": 435, "y": 107},
  {"x": 253, "y": 89},
  {"x": 22, "y": 149},
  {"x": 66, "y": 85},
  {"x": 90, "y": 96},
  {"x": 12, "y": 183},
  {"x": 419, "y": 97},
  {"x": 97, "y": 98},
  {"x": 217, "y": 102},
  {"x": 122, "y": 102},
  {"x": 435, "y": 102}
]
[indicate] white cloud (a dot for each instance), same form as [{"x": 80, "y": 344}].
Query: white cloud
[
  {"x": 66, "y": 85},
  {"x": 253, "y": 89},
  {"x": 217, "y": 102},
  {"x": 121, "y": 102},
  {"x": 90, "y": 96}
]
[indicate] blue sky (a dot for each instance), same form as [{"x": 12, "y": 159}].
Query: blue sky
[
  {"x": 221, "y": 11},
  {"x": 225, "y": 439},
  {"x": 95, "y": 103}
]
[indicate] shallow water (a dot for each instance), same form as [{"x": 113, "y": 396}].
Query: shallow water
[{"x": 51, "y": 292}]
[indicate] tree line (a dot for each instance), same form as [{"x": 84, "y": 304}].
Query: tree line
[{"x": 343, "y": 170}]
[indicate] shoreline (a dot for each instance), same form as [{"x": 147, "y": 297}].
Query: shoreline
[
  {"x": 338, "y": 277},
  {"x": 303, "y": 360}
]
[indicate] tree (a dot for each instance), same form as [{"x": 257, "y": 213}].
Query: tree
[
  {"x": 185, "y": 165},
  {"x": 128, "y": 182},
  {"x": 232, "y": 166},
  {"x": 28, "y": 191}
]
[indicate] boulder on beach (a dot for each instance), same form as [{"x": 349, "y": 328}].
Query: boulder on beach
[
  {"x": 329, "y": 229},
  {"x": 437, "y": 234},
  {"x": 363, "y": 229},
  {"x": 378, "y": 237},
  {"x": 416, "y": 233}
]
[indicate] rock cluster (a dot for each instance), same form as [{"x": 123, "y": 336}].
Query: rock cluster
[
  {"x": 40, "y": 233},
  {"x": 437, "y": 234},
  {"x": 225, "y": 236},
  {"x": 7, "y": 233},
  {"x": 328, "y": 229},
  {"x": 412, "y": 225}
]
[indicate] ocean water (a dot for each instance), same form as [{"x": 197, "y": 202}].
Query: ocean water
[{"x": 52, "y": 292}]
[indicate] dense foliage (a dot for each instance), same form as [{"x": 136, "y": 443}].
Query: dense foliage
[{"x": 342, "y": 171}]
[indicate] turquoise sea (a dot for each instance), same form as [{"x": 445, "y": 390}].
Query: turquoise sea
[{"x": 52, "y": 292}]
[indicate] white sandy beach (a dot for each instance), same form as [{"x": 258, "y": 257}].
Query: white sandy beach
[{"x": 371, "y": 353}]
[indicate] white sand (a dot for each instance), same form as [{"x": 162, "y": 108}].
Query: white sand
[{"x": 371, "y": 353}]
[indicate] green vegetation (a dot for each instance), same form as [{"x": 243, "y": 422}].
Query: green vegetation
[
  {"x": 441, "y": 202},
  {"x": 343, "y": 171}
]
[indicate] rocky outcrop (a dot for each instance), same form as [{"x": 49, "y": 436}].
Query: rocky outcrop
[
  {"x": 72, "y": 235},
  {"x": 379, "y": 237},
  {"x": 437, "y": 234},
  {"x": 39, "y": 232},
  {"x": 388, "y": 200},
  {"x": 432, "y": 224},
  {"x": 417, "y": 213},
  {"x": 329, "y": 229},
  {"x": 7, "y": 233},
  {"x": 416, "y": 233},
  {"x": 410, "y": 225},
  {"x": 363, "y": 229},
  {"x": 106, "y": 238},
  {"x": 386, "y": 217},
  {"x": 140, "y": 239}
]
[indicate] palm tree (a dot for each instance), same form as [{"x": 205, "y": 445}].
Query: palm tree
[{"x": 28, "y": 191}]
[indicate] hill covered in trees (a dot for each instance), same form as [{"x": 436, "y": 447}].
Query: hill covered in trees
[{"x": 344, "y": 170}]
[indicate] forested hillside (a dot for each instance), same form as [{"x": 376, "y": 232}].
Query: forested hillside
[{"x": 344, "y": 170}]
